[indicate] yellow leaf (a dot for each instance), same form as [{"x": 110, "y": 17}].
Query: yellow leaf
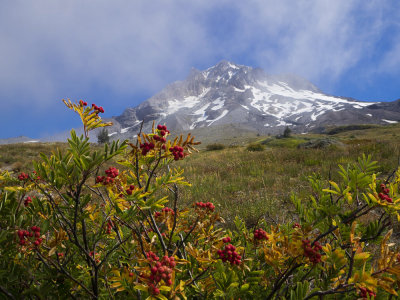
[
  {"x": 362, "y": 256},
  {"x": 116, "y": 284},
  {"x": 52, "y": 251},
  {"x": 141, "y": 287},
  {"x": 334, "y": 184}
]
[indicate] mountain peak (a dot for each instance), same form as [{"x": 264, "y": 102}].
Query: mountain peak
[
  {"x": 228, "y": 93},
  {"x": 224, "y": 65}
]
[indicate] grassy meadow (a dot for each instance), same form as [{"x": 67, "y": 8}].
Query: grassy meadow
[{"x": 256, "y": 184}]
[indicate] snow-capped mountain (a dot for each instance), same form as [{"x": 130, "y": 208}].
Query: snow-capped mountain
[{"x": 228, "y": 93}]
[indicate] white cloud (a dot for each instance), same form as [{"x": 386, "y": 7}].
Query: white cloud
[
  {"x": 52, "y": 48},
  {"x": 314, "y": 38}
]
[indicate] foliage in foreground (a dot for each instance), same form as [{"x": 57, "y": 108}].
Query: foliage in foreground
[{"x": 68, "y": 231}]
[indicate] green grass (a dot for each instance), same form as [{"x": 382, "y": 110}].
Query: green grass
[
  {"x": 291, "y": 142},
  {"x": 17, "y": 157},
  {"x": 256, "y": 184}
]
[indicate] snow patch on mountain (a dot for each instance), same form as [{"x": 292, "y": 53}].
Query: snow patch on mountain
[
  {"x": 218, "y": 104},
  {"x": 224, "y": 113},
  {"x": 390, "y": 121}
]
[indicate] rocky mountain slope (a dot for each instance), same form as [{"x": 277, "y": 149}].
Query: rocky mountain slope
[{"x": 228, "y": 93}]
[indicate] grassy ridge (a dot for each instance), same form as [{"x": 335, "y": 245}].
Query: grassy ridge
[
  {"x": 256, "y": 184},
  {"x": 259, "y": 184}
]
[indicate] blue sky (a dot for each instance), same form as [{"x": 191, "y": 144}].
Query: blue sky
[{"x": 119, "y": 53}]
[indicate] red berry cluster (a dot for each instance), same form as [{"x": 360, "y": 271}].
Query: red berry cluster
[
  {"x": 226, "y": 239},
  {"x": 177, "y": 152},
  {"x": 146, "y": 147},
  {"x": 82, "y": 103},
  {"x": 109, "y": 226},
  {"x": 23, "y": 176},
  {"x": 98, "y": 109},
  {"x": 25, "y": 234},
  {"x": 27, "y": 201},
  {"x": 384, "y": 195},
  {"x": 96, "y": 256},
  {"x": 162, "y": 132},
  {"x": 37, "y": 177},
  {"x": 111, "y": 174},
  {"x": 130, "y": 189},
  {"x": 312, "y": 253},
  {"x": 163, "y": 129},
  {"x": 296, "y": 225},
  {"x": 260, "y": 234},
  {"x": 165, "y": 210},
  {"x": 364, "y": 293},
  {"x": 207, "y": 205},
  {"x": 160, "y": 271},
  {"x": 229, "y": 253}
]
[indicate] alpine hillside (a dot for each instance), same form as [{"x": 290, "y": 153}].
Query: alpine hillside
[{"x": 228, "y": 93}]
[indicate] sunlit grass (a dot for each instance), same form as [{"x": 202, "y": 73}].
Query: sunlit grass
[{"x": 255, "y": 184}]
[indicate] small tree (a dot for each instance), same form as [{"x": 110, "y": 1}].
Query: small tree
[
  {"x": 103, "y": 137},
  {"x": 69, "y": 232},
  {"x": 287, "y": 132}
]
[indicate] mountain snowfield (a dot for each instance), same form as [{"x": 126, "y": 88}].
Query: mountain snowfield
[{"x": 228, "y": 93}]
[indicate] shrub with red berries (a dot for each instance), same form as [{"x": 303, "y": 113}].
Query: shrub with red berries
[
  {"x": 228, "y": 253},
  {"x": 312, "y": 253},
  {"x": 384, "y": 194},
  {"x": 260, "y": 234},
  {"x": 78, "y": 219}
]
